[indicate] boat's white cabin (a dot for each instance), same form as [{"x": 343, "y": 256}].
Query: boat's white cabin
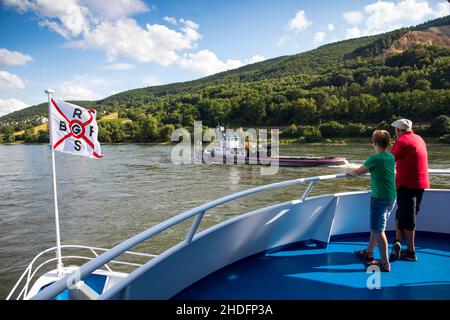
[{"x": 233, "y": 144}]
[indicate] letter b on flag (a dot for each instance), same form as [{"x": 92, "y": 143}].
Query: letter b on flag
[{"x": 74, "y": 129}]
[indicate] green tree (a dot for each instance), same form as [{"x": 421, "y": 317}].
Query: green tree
[
  {"x": 309, "y": 134},
  {"x": 132, "y": 130},
  {"x": 290, "y": 132},
  {"x": 8, "y": 134},
  {"x": 422, "y": 84},
  {"x": 43, "y": 136},
  {"x": 29, "y": 136},
  {"x": 331, "y": 129},
  {"x": 253, "y": 110},
  {"x": 149, "y": 130},
  {"x": 304, "y": 111},
  {"x": 213, "y": 111},
  {"x": 440, "y": 125},
  {"x": 117, "y": 132},
  {"x": 165, "y": 134},
  {"x": 103, "y": 134},
  {"x": 355, "y": 130}
]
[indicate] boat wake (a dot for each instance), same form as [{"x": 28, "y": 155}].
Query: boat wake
[{"x": 348, "y": 165}]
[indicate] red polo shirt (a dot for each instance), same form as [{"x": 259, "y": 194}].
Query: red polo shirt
[{"x": 411, "y": 161}]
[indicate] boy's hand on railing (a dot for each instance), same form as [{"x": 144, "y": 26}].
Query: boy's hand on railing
[
  {"x": 356, "y": 172},
  {"x": 349, "y": 171}
]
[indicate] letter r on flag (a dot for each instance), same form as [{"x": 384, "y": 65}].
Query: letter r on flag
[{"x": 74, "y": 129}]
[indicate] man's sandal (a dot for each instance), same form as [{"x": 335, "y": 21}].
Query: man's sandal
[{"x": 384, "y": 267}]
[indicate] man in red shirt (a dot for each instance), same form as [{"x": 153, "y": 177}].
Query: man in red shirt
[{"x": 411, "y": 161}]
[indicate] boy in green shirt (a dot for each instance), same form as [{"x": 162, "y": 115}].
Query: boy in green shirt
[{"x": 382, "y": 182}]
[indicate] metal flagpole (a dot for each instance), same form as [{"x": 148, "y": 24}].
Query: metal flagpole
[{"x": 55, "y": 194}]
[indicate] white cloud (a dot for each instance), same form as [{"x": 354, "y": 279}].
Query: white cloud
[
  {"x": 69, "y": 90},
  {"x": 10, "y": 82},
  {"x": 116, "y": 8},
  {"x": 319, "y": 37},
  {"x": 87, "y": 87},
  {"x": 21, "y": 5},
  {"x": 384, "y": 16},
  {"x": 105, "y": 26},
  {"x": 124, "y": 37},
  {"x": 190, "y": 29},
  {"x": 254, "y": 59},
  {"x": 11, "y": 105},
  {"x": 205, "y": 62},
  {"x": 330, "y": 27},
  {"x": 69, "y": 18},
  {"x": 353, "y": 17},
  {"x": 442, "y": 9},
  {"x": 353, "y": 33},
  {"x": 299, "y": 22},
  {"x": 170, "y": 20},
  {"x": 283, "y": 40},
  {"x": 13, "y": 58},
  {"x": 119, "y": 66}
]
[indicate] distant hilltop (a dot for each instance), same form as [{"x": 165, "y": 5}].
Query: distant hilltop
[{"x": 365, "y": 80}]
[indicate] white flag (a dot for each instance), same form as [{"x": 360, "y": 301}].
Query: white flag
[{"x": 74, "y": 129}]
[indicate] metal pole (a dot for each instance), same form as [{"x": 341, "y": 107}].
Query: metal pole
[
  {"x": 308, "y": 190},
  {"x": 55, "y": 194},
  {"x": 194, "y": 227}
]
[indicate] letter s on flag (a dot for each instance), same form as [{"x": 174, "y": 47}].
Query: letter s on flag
[{"x": 74, "y": 129}]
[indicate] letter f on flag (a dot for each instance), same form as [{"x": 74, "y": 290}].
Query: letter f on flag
[{"x": 73, "y": 129}]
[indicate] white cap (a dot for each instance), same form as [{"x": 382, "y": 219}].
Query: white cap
[{"x": 402, "y": 124}]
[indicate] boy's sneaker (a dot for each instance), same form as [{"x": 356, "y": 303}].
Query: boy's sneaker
[
  {"x": 408, "y": 255},
  {"x": 395, "y": 253}
]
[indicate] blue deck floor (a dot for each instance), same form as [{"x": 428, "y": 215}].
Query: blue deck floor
[{"x": 305, "y": 272}]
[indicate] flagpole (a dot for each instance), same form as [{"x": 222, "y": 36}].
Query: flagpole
[{"x": 55, "y": 194}]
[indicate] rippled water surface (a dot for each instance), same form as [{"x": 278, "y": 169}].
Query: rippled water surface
[{"x": 134, "y": 187}]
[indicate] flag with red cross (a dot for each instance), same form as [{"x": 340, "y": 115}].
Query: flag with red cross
[{"x": 73, "y": 129}]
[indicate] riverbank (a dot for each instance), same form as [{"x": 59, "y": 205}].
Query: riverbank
[
  {"x": 352, "y": 140},
  {"x": 285, "y": 141}
]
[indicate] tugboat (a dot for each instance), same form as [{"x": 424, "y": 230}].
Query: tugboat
[{"x": 231, "y": 148}]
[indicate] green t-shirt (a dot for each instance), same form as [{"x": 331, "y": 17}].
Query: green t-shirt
[{"x": 382, "y": 175}]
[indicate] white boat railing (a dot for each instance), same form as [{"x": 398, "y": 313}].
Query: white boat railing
[
  {"x": 198, "y": 212},
  {"x": 42, "y": 260}
]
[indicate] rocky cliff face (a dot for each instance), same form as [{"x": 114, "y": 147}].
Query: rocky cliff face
[{"x": 439, "y": 36}]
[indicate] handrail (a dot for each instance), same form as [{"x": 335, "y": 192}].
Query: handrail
[
  {"x": 30, "y": 272},
  {"x": 86, "y": 269}
]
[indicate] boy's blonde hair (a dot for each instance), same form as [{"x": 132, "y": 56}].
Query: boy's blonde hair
[{"x": 381, "y": 138}]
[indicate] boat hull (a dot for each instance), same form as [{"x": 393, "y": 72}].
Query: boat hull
[
  {"x": 305, "y": 271},
  {"x": 282, "y": 161},
  {"x": 316, "y": 219}
]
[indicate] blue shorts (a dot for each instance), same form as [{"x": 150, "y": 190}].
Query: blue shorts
[{"x": 379, "y": 213}]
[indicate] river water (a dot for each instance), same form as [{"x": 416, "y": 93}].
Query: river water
[{"x": 103, "y": 202}]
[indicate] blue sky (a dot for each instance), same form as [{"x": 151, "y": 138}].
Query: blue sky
[{"x": 91, "y": 49}]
